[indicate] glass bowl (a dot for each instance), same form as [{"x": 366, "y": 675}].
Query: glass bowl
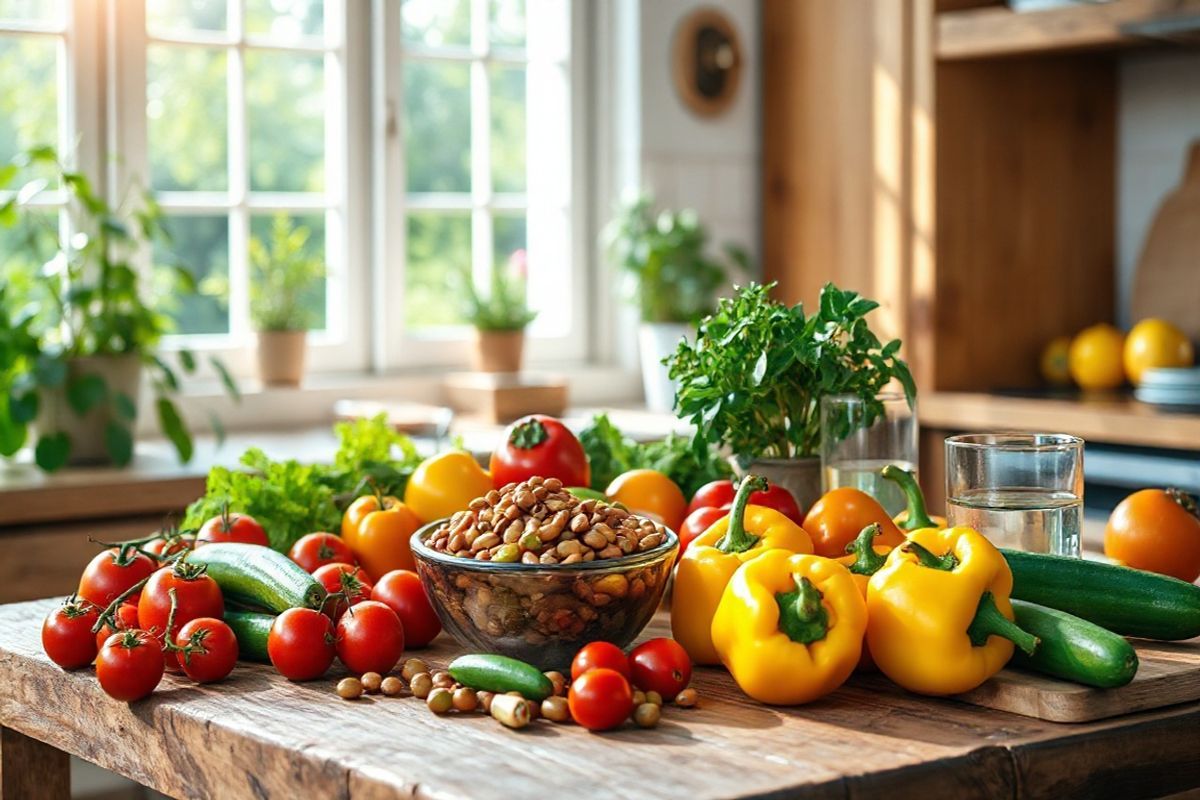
[{"x": 543, "y": 614}]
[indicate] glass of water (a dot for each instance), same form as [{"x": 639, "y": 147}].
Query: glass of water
[
  {"x": 860, "y": 438},
  {"x": 1020, "y": 490}
]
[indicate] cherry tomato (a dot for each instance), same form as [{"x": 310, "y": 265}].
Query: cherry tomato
[
  {"x": 301, "y": 644},
  {"x": 402, "y": 592},
  {"x": 840, "y": 515},
  {"x": 67, "y": 634},
  {"x": 370, "y": 638},
  {"x": 599, "y": 655},
  {"x": 650, "y": 492},
  {"x": 381, "y": 541},
  {"x": 720, "y": 494},
  {"x": 661, "y": 665},
  {"x": 130, "y": 665},
  {"x": 127, "y": 619},
  {"x": 1156, "y": 530},
  {"x": 111, "y": 573},
  {"x": 229, "y": 527},
  {"x": 347, "y": 579},
  {"x": 169, "y": 544},
  {"x": 318, "y": 549},
  {"x": 196, "y": 595},
  {"x": 600, "y": 699},
  {"x": 697, "y": 523},
  {"x": 359, "y": 509},
  {"x": 540, "y": 445},
  {"x": 209, "y": 649}
]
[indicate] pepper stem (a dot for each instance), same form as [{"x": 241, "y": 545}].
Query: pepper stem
[
  {"x": 927, "y": 559},
  {"x": 802, "y": 617},
  {"x": 1185, "y": 501},
  {"x": 918, "y": 515},
  {"x": 736, "y": 538},
  {"x": 989, "y": 621},
  {"x": 866, "y": 560}
]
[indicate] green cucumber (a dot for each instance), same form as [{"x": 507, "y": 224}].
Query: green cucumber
[
  {"x": 257, "y": 576},
  {"x": 1123, "y": 600},
  {"x": 1074, "y": 649},
  {"x": 251, "y": 630},
  {"x": 501, "y": 674}
]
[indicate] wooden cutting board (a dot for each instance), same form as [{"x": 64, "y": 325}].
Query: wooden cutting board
[{"x": 1168, "y": 673}]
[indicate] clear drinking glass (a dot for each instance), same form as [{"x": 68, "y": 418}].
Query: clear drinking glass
[
  {"x": 1021, "y": 490},
  {"x": 854, "y": 453}
]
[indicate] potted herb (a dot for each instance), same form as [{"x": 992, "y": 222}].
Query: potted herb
[
  {"x": 672, "y": 278},
  {"x": 78, "y": 332},
  {"x": 284, "y": 295},
  {"x": 754, "y": 378},
  {"x": 500, "y": 316}
]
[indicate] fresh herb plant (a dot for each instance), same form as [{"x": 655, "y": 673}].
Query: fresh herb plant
[
  {"x": 285, "y": 278},
  {"x": 610, "y": 452},
  {"x": 504, "y": 306}
]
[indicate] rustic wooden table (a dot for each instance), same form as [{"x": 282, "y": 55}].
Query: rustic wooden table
[{"x": 256, "y": 735}]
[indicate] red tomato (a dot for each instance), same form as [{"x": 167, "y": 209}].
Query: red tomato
[
  {"x": 232, "y": 528},
  {"x": 127, "y": 619},
  {"x": 130, "y": 665},
  {"x": 698, "y": 522},
  {"x": 346, "y": 579},
  {"x": 196, "y": 595},
  {"x": 169, "y": 544},
  {"x": 600, "y": 699},
  {"x": 318, "y": 549},
  {"x": 599, "y": 655},
  {"x": 301, "y": 644},
  {"x": 209, "y": 649},
  {"x": 719, "y": 494},
  {"x": 111, "y": 573},
  {"x": 540, "y": 445},
  {"x": 67, "y": 634},
  {"x": 661, "y": 665},
  {"x": 402, "y": 592},
  {"x": 370, "y": 638}
]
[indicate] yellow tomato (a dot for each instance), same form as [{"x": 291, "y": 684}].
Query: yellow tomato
[
  {"x": 359, "y": 509},
  {"x": 381, "y": 542},
  {"x": 1054, "y": 362},
  {"x": 444, "y": 484},
  {"x": 1155, "y": 343},
  {"x": 648, "y": 491},
  {"x": 1095, "y": 357}
]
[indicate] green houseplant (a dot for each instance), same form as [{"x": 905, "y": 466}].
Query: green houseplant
[
  {"x": 78, "y": 332},
  {"x": 500, "y": 315},
  {"x": 284, "y": 293},
  {"x": 672, "y": 278},
  {"x": 754, "y": 378}
]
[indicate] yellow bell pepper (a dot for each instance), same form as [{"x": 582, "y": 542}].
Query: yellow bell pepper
[
  {"x": 915, "y": 517},
  {"x": 940, "y": 621},
  {"x": 710, "y": 561},
  {"x": 790, "y": 627},
  {"x": 444, "y": 484},
  {"x": 865, "y": 559}
]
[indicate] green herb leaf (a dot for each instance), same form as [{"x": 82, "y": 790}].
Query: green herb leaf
[
  {"x": 52, "y": 451},
  {"x": 187, "y": 361},
  {"x": 49, "y": 370},
  {"x": 125, "y": 407},
  {"x": 174, "y": 429},
  {"x": 610, "y": 453},
  {"x": 23, "y": 408},
  {"x": 119, "y": 443},
  {"x": 86, "y": 392},
  {"x": 231, "y": 387},
  {"x": 12, "y": 432}
]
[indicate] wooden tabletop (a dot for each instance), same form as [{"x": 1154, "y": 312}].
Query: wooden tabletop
[{"x": 257, "y": 735}]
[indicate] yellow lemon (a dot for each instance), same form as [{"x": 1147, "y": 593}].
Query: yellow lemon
[
  {"x": 1094, "y": 357},
  {"x": 1155, "y": 343},
  {"x": 1054, "y": 362}
]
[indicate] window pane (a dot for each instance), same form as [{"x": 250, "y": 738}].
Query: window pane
[
  {"x": 437, "y": 127},
  {"x": 506, "y": 22},
  {"x": 508, "y": 128},
  {"x": 287, "y": 264},
  {"x": 286, "y": 19},
  {"x": 434, "y": 23},
  {"x": 185, "y": 16},
  {"x": 438, "y": 254},
  {"x": 199, "y": 245},
  {"x": 28, "y": 106},
  {"x": 186, "y": 117},
  {"x": 508, "y": 241},
  {"x": 24, "y": 248},
  {"x": 47, "y": 11},
  {"x": 285, "y": 103}
]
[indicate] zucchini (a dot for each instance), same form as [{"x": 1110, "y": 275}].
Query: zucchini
[
  {"x": 501, "y": 674},
  {"x": 257, "y": 576},
  {"x": 1123, "y": 600},
  {"x": 1074, "y": 649},
  {"x": 251, "y": 630}
]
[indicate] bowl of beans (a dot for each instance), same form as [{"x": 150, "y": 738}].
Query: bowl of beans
[{"x": 533, "y": 572}]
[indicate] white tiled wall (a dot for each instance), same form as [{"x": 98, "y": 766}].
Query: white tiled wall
[{"x": 1159, "y": 118}]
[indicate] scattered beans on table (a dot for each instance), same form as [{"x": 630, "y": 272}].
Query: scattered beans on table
[
  {"x": 391, "y": 686},
  {"x": 413, "y": 667},
  {"x": 556, "y": 709},
  {"x": 559, "y": 681},
  {"x": 654, "y": 698},
  {"x": 440, "y": 701},
  {"x": 687, "y": 698},
  {"x": 421, "y": 685},
  {"x": 465, "y": 699},
  {"x": 647, "y": 715},
  {"x": 349, "y": 688},
  {"x": 371, "y": 682}
]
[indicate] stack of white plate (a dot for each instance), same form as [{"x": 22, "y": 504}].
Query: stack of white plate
[{"x": 1170, "y": 386}]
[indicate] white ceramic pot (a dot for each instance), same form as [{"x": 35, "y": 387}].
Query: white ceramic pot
[{"x": 656, "y": 341}]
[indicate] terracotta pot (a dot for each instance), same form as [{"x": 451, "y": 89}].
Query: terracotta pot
[
  {"x": 499, "y": 351},
  {"x": 121, "y": 374},
  {"x": 800, "y": 476},
  {"x": 281, "y": 357}
]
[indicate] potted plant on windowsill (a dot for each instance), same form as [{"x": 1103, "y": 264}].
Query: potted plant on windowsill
[
  {"x": 500, "y": 316},
  {"x": 79, "y": 331},
  {"x": 672, "y": 278},
  {"x": 754, "y": 378},
  {"x": 285, "y": 279}
]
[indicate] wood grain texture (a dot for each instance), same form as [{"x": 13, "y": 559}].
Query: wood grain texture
[
  {"x": 32, "y": 770},
  {"x": 257, "y": 735}
]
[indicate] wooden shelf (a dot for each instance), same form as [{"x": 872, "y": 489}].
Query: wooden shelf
[
  {"x": 999, "y": 31},
  {"x": 1113, "y": 421}
]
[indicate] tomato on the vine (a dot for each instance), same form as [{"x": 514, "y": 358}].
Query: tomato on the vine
[
  {"x": 169, "y": 543},
  {"x": 402, "y": 592},
  {"x": 318, "y": 549},
  {"x": 210, "y": 649},
  {"x": 348, "y": 580},
  {"x": 720, "y": 494},
  {"x": 113, "y": 572},
  {"x": 599, "y": 655},
  {"x": 600, "y": 699},
  {"x": 67, "y": 633},
  {"x": 196, "y": 595},
  {"x": 232, "y": 527},
  {"x": 540, "y": 445},
  {"x": 126, "y": 617},
  {"x": 661, "y": 665},
  {"x": 301, "y": 644},
  {"x": 370, "y": 638},
  {"x": 130, "y": 665},
  {"x": 697, "y": 523}
]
